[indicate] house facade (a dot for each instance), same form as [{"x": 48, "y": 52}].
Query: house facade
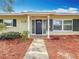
[{"x": 41, "y": 23}]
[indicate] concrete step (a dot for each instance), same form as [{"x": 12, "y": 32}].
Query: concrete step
[{"x": 39, "y": 36}]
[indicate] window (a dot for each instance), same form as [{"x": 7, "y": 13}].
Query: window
[
  {"x": 57, "y": 24},
  {"x": 67, "y": 24},
  {"x": 45, "y": 26},
  {"x": 62, "y": 25},
  {"x": 33, "y": 26},
  {"x": 51, "y": 24},
  {"x": 8, "y": 23}
]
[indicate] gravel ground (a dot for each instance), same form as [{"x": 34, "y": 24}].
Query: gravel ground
[
  {"x": 13, "y": 49},
  {"x": 63, "y": 48}
]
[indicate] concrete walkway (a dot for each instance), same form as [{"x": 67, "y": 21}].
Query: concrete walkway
[{"x": 37, "y": 50}]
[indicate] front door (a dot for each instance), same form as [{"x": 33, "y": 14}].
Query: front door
[{"x": 38, "y": 26}]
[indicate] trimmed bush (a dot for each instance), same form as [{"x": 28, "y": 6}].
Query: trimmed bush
[{"x": 10, "y": 35}]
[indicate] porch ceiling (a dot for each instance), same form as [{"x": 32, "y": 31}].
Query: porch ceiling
[{"x": 38, "y": 15}]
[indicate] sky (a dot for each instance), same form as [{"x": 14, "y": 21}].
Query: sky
[{"x": 46, "y": 5}]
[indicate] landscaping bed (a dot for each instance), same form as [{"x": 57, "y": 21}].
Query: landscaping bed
[
  {"x": 12, "y": 49},
  {"x": 13, "y": 45},
  {"x": 63, "y": 48}
]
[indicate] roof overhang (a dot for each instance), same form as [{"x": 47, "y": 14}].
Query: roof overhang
[{"x": 38, "y": 13}]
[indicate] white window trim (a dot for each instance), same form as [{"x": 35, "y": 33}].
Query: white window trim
[
  {"x": 53, "y": 26},
  {"x": 68, "y": 24},
  {"x": 63, "y": 26},
  {"x": 34, "y": 27},
  {"x": 8, "y": 26}
]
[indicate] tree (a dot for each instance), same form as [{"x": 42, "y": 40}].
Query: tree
[{"x": 7, "y": 5}]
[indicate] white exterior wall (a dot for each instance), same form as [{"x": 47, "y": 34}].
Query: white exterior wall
[{"x": 21, "y": 23}]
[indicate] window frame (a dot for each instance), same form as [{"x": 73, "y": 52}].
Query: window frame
[
  {"x": 7, "y": 25},
  {"x": 68, "y": 24},
  {"x": 59, "y": 25},
  {"x": 63, "y": 25}
]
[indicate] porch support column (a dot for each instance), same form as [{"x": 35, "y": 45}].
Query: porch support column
[
  {"x": 28, "y": 26},
  {"x": 48, "y": 27}
]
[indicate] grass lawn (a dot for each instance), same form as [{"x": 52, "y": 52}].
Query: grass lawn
[
  {"x": 63, "y": 48},
  {"x": 13, "y": 50}
]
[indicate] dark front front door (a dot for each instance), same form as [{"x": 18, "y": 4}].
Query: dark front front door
[{"x": 38, "y": 26}]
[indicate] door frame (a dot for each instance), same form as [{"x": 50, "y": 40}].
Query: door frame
[
  {"x": 35, "y": 27},
  {"x": 39, "y": 25}
]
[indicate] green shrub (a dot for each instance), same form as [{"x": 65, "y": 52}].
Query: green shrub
[
  {"x": 2, "y": 26},
  {"x": 10, "y": 35},
  {"x": 24, "y": 36}
]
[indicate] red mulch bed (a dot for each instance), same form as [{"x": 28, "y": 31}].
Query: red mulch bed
[
  {"x": 13, "y": 49},
  {"x": 58, "y": 48}
]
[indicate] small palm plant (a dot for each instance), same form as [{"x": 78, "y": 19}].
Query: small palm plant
[{"x": 24, "y": 36}]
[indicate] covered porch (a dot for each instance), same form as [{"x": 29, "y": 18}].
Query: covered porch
[
  {"x": 45, "y": 25},
  {"x": 38, "y": 25}
]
